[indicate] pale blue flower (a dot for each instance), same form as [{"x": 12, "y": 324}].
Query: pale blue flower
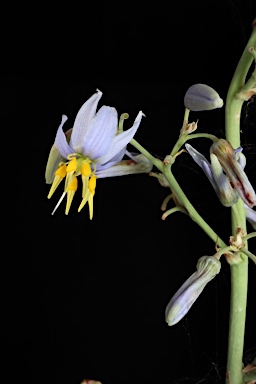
[{"x": 93, "y": 148}]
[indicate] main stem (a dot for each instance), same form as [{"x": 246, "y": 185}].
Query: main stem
[{"x": 239, "y": 272}]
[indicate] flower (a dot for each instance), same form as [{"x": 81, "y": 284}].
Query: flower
[
  {"x": 93, "y": 148},
  {"x": 207, "y": 268},
  {"x": 201, "y": 97},
  {"x": 226, "y": 172}
]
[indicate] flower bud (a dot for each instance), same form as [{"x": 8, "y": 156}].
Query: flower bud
[
  {"x": 214, "y": 172},
  {"x": 227, "y": 195},
  {"x": 201, "y": 97},
  {"x": 207, "y": 268},
  {"x": 234, "y": 171}
]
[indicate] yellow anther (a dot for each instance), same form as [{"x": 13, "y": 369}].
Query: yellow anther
[
  {"x": 92, "y": 183},
  {"x": 86, "y": 169},
  {"x": 61, "y": 171},
  {"x": 73, "y": 185},
  {"x": 59, "y": 175},
  {"x": 71, "y": 168},
  {"x": 85, "y": 173},
  {"x": 70, "y": 194},
  {"x": 72, "y": 165}
]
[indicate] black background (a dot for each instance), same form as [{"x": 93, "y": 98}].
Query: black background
[{"x": 86, "y": 299}]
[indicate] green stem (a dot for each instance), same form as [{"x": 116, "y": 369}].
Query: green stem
[
  {"x": 249, "y": 254},
  {"x": 233, "y": 103},
  {"x": 173, "y": 210},
  {"x": 239, "y": 272},
  {"x": 157, "y": 163},
  {"x": 238, "y": 300},
  {"x": 194, "y": 215},
  {"x": 250, "y": 235},
  {"x": 183, "y": 138}
]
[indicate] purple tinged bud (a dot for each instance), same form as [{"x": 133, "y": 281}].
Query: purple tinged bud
[
  {"x": 201, "y": 97},
  {"x": 214, "y": 172},
  {"x": 234, "y": 170},
  {"x": 227, "y": 195},
  {"x": 207, "y": 268}
]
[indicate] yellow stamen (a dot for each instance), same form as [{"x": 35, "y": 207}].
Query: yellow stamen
[
  {"x": 59, "y": 175},
  {"x": 92, "y": 183},
  {"x": 61, "y": 171},
  {"x": 90, "y": 192},
  {"x": 84, "y": 201},
  {"x": 90, "y": 203},
  {"x": 85, "y": 172},
  {"x": 72, "y": 165},
  {"x": 70, "y": 193},
  {"x": 71, "y": 168},
  {"x": 86, "y": 169}
]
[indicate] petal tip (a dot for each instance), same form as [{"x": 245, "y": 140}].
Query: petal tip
[{"x": 98, "y": 91}]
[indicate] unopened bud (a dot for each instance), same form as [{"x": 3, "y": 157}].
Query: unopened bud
[
  {"x": 201, "y": 97},
  {"x": 207, "y": 268},
  {"x": 234, "y": 171}
]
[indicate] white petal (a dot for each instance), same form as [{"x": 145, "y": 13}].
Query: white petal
[
  {"x": 203, "y": 163},
  {"x": 83, "y": 120},
  {"x": 197, "y": 156},
  {"x": 61, "y": 140},
  {"x": 121, "y": 140},
  {"x": 140, "y": 164},
  {"x": 101, "y": 133},
  {"x": 118, "y": 157},
  {"x": 241, "y": 160}
]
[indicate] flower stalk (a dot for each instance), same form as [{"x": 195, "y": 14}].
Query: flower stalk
[
  {"x": 239, "y": 272},
  {"x": 238, "y": 92},
  {"x": 165, "y": 169}
]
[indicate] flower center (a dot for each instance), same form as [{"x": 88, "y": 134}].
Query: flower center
[{"x": 76, "y": 165}]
